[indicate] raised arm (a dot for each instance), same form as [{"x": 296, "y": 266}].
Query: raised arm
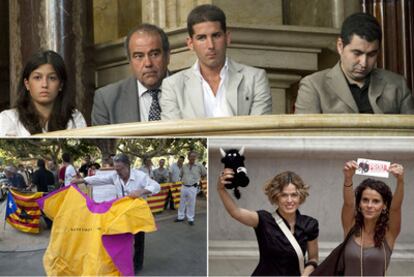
[
  {"x": 395, "y": 210},
  {"x": 348, "y": 206},
  {"x": 247, "y": 217}
]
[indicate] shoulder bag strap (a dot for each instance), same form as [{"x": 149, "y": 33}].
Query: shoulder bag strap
[{"x": 292, "y": 240}]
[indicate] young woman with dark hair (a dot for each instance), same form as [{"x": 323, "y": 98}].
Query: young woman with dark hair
[
  {"x": 373, "y": 216},
  {"x": 43, "y": 102},
  {"x": 371, "y": 221}
]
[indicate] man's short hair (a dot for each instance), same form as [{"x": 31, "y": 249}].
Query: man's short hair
[
  {"x": 205, "y": 13},
  {"x": 364, "y": 25},
  {"x": 181, "y": 157},
  {"x": 41, "y": 163},
  {"x": 122, "y": 158},
  {"x": 150, "y": 29},
  {"x": 66, "y": 157}
]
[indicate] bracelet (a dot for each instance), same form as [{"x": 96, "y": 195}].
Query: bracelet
[
  {"x": 349, "y": 185},
  {"x": 312, "y": 263}
]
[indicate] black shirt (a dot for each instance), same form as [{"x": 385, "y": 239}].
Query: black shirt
[
  {"x": 361, "y": 96},
  {"x": 43, "y": 178},
  {"x": 277, "y": 255}
]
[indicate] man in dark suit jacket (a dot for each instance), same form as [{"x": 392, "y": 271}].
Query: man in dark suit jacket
[
  {"x": 354, "y": 85},
  {"x": 130, "y": 100}
]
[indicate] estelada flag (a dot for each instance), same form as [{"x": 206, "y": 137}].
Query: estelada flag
[{"x": 22, "y": 211}]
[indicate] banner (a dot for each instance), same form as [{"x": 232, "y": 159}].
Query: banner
[{"x": 23, "y": 212}]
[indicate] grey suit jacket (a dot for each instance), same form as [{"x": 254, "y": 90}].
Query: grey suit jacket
[
  {"x": 247, "y": 93},
  {"x": 327, "y": 91},
  {"x": 116, "y": 103}
]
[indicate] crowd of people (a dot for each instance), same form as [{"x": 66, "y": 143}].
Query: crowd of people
[{"x": 215, "y": 86}]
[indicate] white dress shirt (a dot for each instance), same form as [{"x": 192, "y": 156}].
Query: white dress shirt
[
  {"x": 137, "y": 180},
  {"x": 70, "y": 173},
  {"x": 10, "y": 124},
  {"x": 175, "y": 173},
  {"x": 145, "y": 100},
  {"x": 215, "y": 105}
]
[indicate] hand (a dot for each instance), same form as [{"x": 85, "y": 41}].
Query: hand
[
  {"x": 398, "y": 171},
  {"x": 77, "y": 181},
  {"x": 224, "y": 177},
  {"x": 349, "y": 171},
  {"x": 136, "y": 193}
]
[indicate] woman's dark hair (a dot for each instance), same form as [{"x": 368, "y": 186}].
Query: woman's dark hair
[
  {"x": 63, "y": 105},
  {"x": 382, "y": 222}
]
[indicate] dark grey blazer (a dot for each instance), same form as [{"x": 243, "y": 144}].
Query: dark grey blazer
[{"x": 116, "y": 103}]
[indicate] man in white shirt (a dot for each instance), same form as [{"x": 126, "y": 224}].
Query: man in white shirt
[
  {"x": 147, "y": 167},
  {"x": 175, "y": 170},
  {"x": 70, "y": 172},
  {"x": 215, "y": 86},
  {"x": 128, "y": 182},
  {"x": 192, "y": 173},
  {"x": 136, "y": 98}
]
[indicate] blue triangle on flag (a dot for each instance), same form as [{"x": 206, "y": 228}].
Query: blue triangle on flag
[{"x": 11, "y": 205}]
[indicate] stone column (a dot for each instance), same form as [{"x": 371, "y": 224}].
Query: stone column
[
  {"x": 64, "y": 26},
  {"x": 4, "y": 55}
]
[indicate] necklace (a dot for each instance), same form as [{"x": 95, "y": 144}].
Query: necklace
[{"x": 362, "y": 256}]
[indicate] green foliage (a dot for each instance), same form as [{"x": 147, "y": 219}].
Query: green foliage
[{"x": 16, "y": 150}]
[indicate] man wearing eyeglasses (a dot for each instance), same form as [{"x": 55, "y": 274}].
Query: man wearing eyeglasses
[{"x": 128, "y": 182}]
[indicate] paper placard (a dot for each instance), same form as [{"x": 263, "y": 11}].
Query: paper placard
[{"x": 373, "y": 168}]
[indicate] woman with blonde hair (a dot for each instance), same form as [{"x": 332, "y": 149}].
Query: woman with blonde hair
[{"x": 278, "y": 255}]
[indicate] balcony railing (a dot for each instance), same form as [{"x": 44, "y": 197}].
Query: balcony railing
[{"x": 265, "y": 125}]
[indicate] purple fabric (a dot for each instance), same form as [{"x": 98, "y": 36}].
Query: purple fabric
[
  {"x": 120, "y": 248},
  {"x": 97, "y": 208}
]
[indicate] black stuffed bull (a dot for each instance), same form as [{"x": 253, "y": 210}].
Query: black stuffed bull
[{"x": 234, "y": 159}]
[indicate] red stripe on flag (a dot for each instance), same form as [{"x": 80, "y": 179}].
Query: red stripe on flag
[{"x": 17, "y": 222}]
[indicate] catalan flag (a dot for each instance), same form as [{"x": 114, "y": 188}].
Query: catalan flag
[
  {"x": 23, "y": 212},
  {"x": 156, "y": 202}
]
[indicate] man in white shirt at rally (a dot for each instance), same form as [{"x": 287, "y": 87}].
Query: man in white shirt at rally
[
  {"x": 128, "y": 182},
  {"x": 192, "y": 173},
  {"x": 175, "y": 170}
]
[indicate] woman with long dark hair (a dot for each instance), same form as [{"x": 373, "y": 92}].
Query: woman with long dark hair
[
  {"x": 373, "y": 215},
  {"x": 371, "y": 221},
  {"x": 278, "y": 256},
  {"x": 43, "y": 102}
]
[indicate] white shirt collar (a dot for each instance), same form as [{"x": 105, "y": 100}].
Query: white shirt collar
[
  {"x": 223, "y": 70},
  {"x": 141, "y": 88}
]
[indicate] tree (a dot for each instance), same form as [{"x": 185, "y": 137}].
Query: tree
[{"x": 149, "y": 148}]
